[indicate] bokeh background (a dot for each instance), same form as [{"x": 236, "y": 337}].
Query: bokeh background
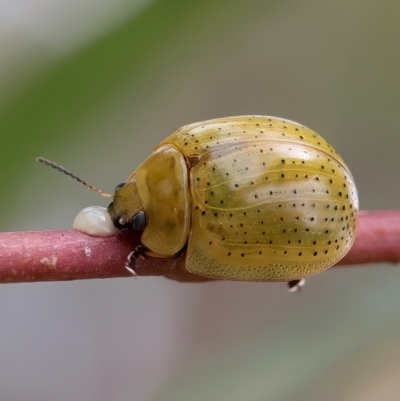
[{"x": 95, "y": 85}]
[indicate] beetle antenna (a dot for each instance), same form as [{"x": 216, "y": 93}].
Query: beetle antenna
[{"x": 61, "y": 169}]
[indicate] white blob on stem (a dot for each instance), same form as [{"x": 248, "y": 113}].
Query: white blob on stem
[{"x": 95, "y": 221}]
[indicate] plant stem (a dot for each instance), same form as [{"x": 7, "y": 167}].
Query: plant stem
[{"x": 70, "y": 255}]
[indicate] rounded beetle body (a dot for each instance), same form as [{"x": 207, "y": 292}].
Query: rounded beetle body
[{"x": 253, "y": 198}]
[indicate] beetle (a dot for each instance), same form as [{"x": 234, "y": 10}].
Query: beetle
[{"x": 249, "y": 198}]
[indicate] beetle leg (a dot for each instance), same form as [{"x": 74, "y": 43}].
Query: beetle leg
[
  {"x": 140, "y": 253},
  {"x": 296, "y": 285},
  {"x": 143, "y": 262},
  {"x": 131, "y": 261}
]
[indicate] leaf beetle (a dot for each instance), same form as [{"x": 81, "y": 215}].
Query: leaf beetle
[{"x": 249, "y": 198}]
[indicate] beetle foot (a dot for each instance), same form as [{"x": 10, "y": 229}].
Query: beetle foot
[
  {"x": 296, "y": 285},
  {"x": 132, "y": 259},
  {"x": 136, "y": 260}
]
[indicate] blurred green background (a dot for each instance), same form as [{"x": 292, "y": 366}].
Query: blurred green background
[{"x": 95, "y": 85}]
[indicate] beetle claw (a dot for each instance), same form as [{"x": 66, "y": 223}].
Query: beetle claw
[
  {"x": 130, "y": 264},
  {"x": 296, "y": 285},
  {"x": 131, "y": 270}
]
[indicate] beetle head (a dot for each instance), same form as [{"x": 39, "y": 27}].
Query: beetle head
[{"x": 126, "y": 208}]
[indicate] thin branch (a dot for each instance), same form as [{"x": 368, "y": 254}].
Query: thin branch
[{"x": 70, "y": 255}]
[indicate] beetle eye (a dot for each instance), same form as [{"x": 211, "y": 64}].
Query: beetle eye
[
  {"x": 138, "y": 221},
  {"x": 119, "y": 186}
]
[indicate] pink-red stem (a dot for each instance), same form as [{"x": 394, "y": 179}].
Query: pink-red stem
[{"x": 71, "y": 255}]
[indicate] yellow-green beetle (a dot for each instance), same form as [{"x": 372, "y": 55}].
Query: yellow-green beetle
[{"x": 249, "y": 198}]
